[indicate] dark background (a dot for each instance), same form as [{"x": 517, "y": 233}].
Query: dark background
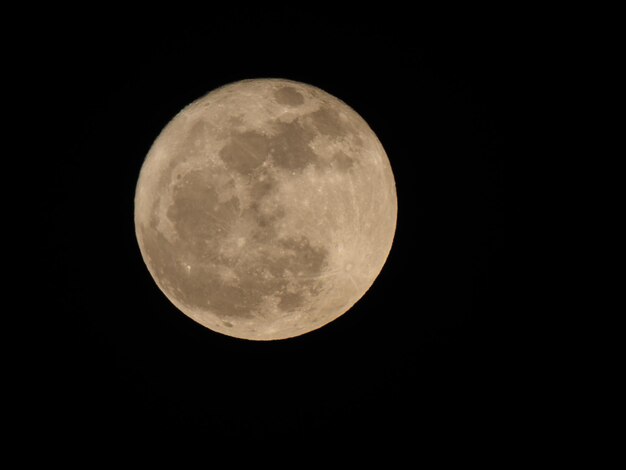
[{"x": 430, "y": 350}]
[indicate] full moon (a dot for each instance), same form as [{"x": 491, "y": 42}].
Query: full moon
[{"x": 265, "y": 209}]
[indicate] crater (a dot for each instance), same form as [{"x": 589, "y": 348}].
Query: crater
[
  {"x": 245, "y": 152},
  {"x": 288, "y": 96}
]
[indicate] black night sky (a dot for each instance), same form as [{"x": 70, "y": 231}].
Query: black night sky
[{"x": 426, "y": 352}]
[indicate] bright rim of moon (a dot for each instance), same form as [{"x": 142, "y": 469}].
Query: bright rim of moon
[{"x": 265, "y": 209}]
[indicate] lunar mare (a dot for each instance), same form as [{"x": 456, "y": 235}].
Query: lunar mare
[{"x": 265, "y": 209}]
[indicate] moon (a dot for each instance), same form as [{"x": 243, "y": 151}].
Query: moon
[{"x": 265, "y": 209}]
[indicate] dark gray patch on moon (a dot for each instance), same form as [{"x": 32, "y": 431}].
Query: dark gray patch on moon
[
  {"x": 264, "y": 216},
  {"x": 300, "y": 263},
  {"x": 288, "y": 96},
  {"x": 290, "y": 147},
  {"x": 290, "y": 301},
  {"x": 327, "y": 121},
  {"x": 342, "y": 162},
  {"x": 302, "y": 258},
  {"x": 197, "y": 212},
  {"x": 265, "y": 219},
  {"x": 262, "y": 186},
  {"x": 339, "y": 162},
  {"x": 238, "y": 298},
  {"x": 245, "y": 152}
]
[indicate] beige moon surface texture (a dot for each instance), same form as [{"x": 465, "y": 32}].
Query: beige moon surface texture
[{"x": 265, "y": 209}]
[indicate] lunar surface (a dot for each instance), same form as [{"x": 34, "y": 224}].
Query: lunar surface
[{"x": 265, "y": 209}]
